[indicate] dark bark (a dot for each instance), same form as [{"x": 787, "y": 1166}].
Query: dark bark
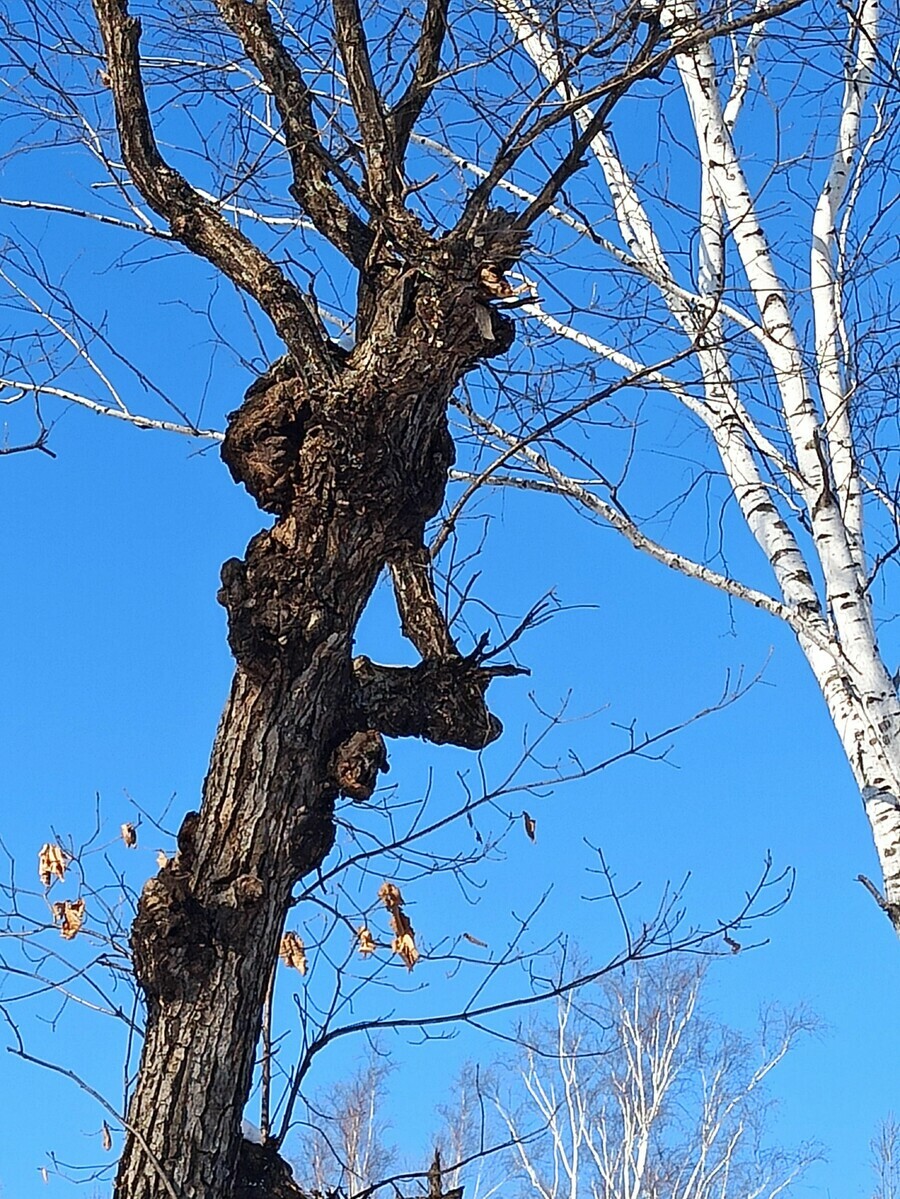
[
  {"x": 350, "y": 452},
  {"x": 262, "y": 1174},
  {"x": 352, "y": 468}
]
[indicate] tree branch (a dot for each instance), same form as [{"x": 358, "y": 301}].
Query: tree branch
[
  {"x": 421, "y": 617},
  {"x": 193, "y": 221},
  {"x": 408, "y": 108},
  {"x": 382, "y": 163},
  {"x": 440, "y": 700},
  {"x": 648, "y": 63},
  {"x": 310, "y": 162}
]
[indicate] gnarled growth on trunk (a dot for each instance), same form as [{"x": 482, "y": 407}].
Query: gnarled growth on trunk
[{"x": 353, "y": 463}]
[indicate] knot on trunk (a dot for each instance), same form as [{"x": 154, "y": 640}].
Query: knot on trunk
[
  {"x": 357, "y": 762},
  {"x": 171, "y": 938},
  {"x": 273, "y": 618},
  {"x": 262, "y": 1174},
  {"x": 263, "y": 438}
]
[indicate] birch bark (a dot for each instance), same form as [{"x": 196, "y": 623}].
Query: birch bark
[{"x": 824, "y": 589}]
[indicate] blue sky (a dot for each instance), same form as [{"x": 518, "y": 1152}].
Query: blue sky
[{"x": 115, "y": 668}]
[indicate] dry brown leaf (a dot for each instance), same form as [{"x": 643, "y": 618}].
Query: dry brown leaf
[
  {"x": 162, "y": 860},
  {"x": 106, "y": 1137},
  {"x": 530, "y": 825},
  {"x": 293, "y": 952},
  {"x": 404, "y": 942},
  {"x": 70, "y": 916},
  {"x": 129, "y": 835},
  {"x": 405, "y": 946},
  {"x": 366, "y": 941},
  {"x": 52, "y": 863},
  {"x": 495, "y": 282},
  {"x": 475, "y": 940},
  {"x": 389, "y": 894}
]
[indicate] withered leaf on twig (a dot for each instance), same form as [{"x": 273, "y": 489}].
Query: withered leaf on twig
[
  {"x": 366, "y": 944},
  {"x": 162, "y": 859},
  {"x": 70, "y": 916},
  {"x": 530, "y": 825},
  {"x": 106, "y": 1137},
  {"x": 129, "y": 835},
  {"x": 293, "y": 952},
  {"x": 404, "y": 942},
  {"x": 52, "y": 863},
  {"x": 389, "y": 894},
  {"x": 405, "y": 946}
]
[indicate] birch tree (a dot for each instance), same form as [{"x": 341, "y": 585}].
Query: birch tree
[
  {"x": 762, "y": 261},
  {"x": 630, "y": 1089},
  {"x": 280, "y": 153},
  {"x": 635, "y": 1092},
  {"x": 885, "y": 1147}
]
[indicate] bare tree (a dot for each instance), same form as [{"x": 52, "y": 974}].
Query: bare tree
[
  {"x": 348, "y": 1148},
  {"x": 759, "y": 245},
  {"x": 643, "y": 1096},
  {"x": 278, "y": 148},
  {"x": 634, "y": 1091},
  {"x": 886, "y": 1160}
]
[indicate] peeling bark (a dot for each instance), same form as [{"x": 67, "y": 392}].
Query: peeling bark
[{"x": 824, "y": 592}]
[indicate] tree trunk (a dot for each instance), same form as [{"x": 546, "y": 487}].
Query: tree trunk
[
  {"x": 353, "y": 465},
  {"x": 864, "y": 707}
]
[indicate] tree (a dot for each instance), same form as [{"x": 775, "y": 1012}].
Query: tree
[
  {"x": 638, "y": 1092},
  {"x": 345, "y": 441},
  {"x": 631, "y": 1088},
  {"x": 786, "y": 369},
  {"x": 884, "y": 1159}
]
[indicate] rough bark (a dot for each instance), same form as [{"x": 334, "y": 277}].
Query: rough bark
[
  {"x": 352, "y": 470},
  {"x": 350, "y": 452}
]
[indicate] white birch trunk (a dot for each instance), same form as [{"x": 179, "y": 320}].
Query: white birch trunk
[
  {"x": 836, "y": 631},
  {"x": 854, "y": 681}
]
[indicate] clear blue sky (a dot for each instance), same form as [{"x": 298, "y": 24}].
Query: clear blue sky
[{"x": 115, "y": 668}]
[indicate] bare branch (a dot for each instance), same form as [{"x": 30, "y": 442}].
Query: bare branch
[
  {"x": 192, "y": 220},
  {"x": 311, "y": 164},
  {"x": 404, "y": 114},
  {"x": 382, "y": 163}
]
